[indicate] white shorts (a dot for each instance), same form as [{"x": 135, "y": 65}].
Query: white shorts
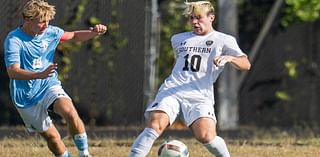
[
  {"x": 190, "y": 107},
  {"x": 36, "y": 117}
]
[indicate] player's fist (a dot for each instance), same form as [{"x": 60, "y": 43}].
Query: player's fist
[{"x": 99, "y": 29}]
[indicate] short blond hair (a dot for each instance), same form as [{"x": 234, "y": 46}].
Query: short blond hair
[
  {"x": 199, "y": 8},
  {"x": 38, "y": 10}
]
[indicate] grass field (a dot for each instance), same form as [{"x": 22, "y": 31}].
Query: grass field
[{"x": 261, "y": 144}]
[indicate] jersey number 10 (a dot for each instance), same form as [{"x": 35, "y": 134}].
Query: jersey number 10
[{"x": 195, "y": 63}]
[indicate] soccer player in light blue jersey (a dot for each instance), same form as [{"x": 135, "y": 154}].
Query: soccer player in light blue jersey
[
  {"x": 200, "y": 57},
  {"x": 34, "y": 85}
]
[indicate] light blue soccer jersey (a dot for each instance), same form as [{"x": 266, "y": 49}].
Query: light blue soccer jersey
[{"x": 33, "y": 53}]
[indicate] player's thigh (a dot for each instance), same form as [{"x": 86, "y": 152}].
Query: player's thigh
[
  {"x": 162, "y": 111},
  {"x": 204, "y": 129},
  {"x": 57, "y": 98},
  {"x": 64, "y": 107}
]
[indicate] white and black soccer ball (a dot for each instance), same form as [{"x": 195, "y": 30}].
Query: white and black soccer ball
[{"x": 173, "y": 148}]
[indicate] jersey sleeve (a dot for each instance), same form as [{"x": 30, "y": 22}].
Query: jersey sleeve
[
  {"x": 54, "y": 34},
  {"x": 12, "y": 49},
  {"x": 174, "y": 41},
  {"x": 65, "y": 37},
  {"x": 57, "y": 32},
  {"x": 174, "y": 44},
  {"x": 231, "y": 47}
]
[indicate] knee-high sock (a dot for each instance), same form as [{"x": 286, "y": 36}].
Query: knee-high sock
[
  {"x": 218, "y": 147},
  {"x": 143, "y": 143},
  {"x": 81, "y": 142}
]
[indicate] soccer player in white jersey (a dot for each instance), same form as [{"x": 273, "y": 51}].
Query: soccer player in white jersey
[
  {"x": 34, "y": 84},
  {"x": 200, "y": 58}
]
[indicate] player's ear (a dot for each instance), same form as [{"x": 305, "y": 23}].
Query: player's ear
[{"x": 212, "y": 17}]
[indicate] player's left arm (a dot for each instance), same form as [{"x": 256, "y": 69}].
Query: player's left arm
[
  {"x": 239, "y": 62},
  {"x": 231, "y": 53},
  {"x": 83, "y": 35}
]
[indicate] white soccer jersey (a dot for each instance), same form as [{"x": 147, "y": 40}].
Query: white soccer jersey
[{"x": 194, "y": 72}]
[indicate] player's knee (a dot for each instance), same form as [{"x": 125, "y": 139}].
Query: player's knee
[
  {"x": 158, "y": 122},
  {"x": 71, "y": 115},
  {"x": 156, "y": 126},
  {"x": 53, "y": 139},
  {"x": 205, "y": 137},
  {"x": 159, "y": 129}
]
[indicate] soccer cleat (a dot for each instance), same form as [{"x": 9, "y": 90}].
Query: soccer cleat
[{"x": 84, "y": 153}]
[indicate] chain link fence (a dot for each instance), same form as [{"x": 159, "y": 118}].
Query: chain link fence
[
  {"x": 282, "y": 87},
  {"x": 107, "y": 86}
]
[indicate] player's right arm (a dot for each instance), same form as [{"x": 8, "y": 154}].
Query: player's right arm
[
  {"x": 15, "y": 72},
  {"x": 83, "y": 35}
]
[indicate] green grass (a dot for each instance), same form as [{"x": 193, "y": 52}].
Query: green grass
[{"x": 267, "y": 146}]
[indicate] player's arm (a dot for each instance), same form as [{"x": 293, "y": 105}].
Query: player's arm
[
  {"x": 231, "y": 53},
  {"x": 15, "y": 72},
  {"x": 83, "y": 35},
  {"x": 239, "y": 62}
]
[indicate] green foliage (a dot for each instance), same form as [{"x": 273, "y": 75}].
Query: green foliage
[
  {"x": 68, "y": 48},
  {"x": 172, "y": 21},
  {"x": 80, "y": 11},
  {"x": 117, "y": 38},
  {"x": 96, "y": 45},
  {"x": 94, "y": 20},
  {"x": 301, "y": 10},
  {"x": 118, "y": 41},
  {"x": 291, "y": 66},
  {"x": 96, "y": 48},
  {"x": 296, "y": 11},
  {"x": 282, "y": 95}
]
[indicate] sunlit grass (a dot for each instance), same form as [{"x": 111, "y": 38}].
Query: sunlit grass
[
  {"x": 109, "y": 147},
  {"x": 259, "y": 143}
]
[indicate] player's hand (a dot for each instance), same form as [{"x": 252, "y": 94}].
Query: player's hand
[
  {"x": 99, "y": 29},
  {"x": 222, "y": 60},
  {"x": 48, "y": 72}
]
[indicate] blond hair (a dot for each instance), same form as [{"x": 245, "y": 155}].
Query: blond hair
[
  {"x": 38, "y": 10},
  {"x": 199, "y": 8}
]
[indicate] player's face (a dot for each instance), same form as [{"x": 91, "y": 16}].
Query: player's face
[
  {"x": 201, "y": 24},
  {"x": 37, "y": 27}
]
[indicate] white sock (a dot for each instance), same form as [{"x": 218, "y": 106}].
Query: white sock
[
  {"x": 65, "y": 154},
  {"x": 143, "y": 143},
  {"x": 218, "y": 147}
]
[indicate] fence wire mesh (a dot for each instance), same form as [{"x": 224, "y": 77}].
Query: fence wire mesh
[{"x": 107, "y": 86}]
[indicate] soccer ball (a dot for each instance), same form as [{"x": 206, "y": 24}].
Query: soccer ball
[{"x": 173, "y": 148}]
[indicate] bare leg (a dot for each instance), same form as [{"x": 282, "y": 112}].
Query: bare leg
[
  {"x": 55, "y": 144},
  {"x": 65, "y": 108},
  {"x": 204, "y": 130}
]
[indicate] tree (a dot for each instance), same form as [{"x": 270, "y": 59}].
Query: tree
[{"x": 301, "y": 11}]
